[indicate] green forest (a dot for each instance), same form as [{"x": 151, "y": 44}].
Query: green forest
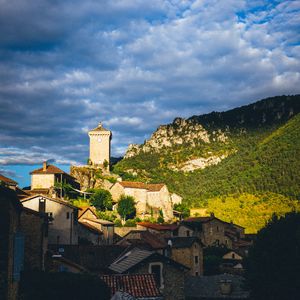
[{"x": 263, "y": 164}]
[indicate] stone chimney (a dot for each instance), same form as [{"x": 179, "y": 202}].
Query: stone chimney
[
  {"x": 44, "y": 166},
  {"x": 225, "y": 287}
]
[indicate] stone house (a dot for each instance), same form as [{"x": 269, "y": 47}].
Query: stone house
[
  {"x": 139, "y": 286},
  {"x": 211, "y": 231},
  {"x": 43, "y": 180},
  {"x": 34, "y": 225},
  {"x": 11, "y": 244},
  {"x": 150, "y": 198},
  {"x": 103, "y": 230},
  {"x": 187, "y": 251},
  {"x": 63, "y": 228},
  {"x": 169, "y": 274}
]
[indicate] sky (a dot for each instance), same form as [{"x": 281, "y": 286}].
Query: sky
[{"x": 134, "y": 65}]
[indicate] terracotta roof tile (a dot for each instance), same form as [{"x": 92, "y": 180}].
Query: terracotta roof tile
[
  {"x": 159, "y": 227},
  {"x": 137, "y": 285},
  {"x": 7, "y": 180},
  {"x": 154, "y": 187},
  {"x": 144, "y": 237},
  {"x": 50, "y": 169}
]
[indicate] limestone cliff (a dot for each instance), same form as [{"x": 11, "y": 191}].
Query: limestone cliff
[
  {"x": 92, "y": 177},
  {"x": 183, "y": 133}
]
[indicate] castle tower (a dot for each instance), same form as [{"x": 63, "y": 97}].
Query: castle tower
[{"x": 100, "y": 145}]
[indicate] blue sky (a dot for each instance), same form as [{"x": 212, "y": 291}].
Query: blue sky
[{"x": 132, "y": 64}]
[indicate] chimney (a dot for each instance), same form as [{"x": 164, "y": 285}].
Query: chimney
[
  {"x": 225, "y": 287},
  {"x": 44, "y": 166}
]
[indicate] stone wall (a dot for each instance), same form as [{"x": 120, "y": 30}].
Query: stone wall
[
  {"x": 34, "y": 228},
  {"x": 186, "y": 256},
  {"x": 9, "y": 225},
  {"x": 122, "y": 231},
  {"x": 42, "y": 181}
]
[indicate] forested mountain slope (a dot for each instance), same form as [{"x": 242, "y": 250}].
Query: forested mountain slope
[{"x": 251, "y": 150}]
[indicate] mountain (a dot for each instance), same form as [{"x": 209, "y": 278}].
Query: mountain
[{"x": 251, "y": 150}]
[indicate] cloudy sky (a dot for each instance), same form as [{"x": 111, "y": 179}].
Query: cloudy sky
[{"x": 132, "y": 64}]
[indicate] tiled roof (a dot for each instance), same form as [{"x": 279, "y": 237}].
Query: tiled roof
[
  {"x": 99, "y": 128},
  {"x": 159, "y": 227},
  {"x": 183, "y": 242},
  {"x": 210, "y": 218},
  {"x": 63, "y": 202},
  {"x": 90, "y": 227},
  {"x": 94, "y": 258},
  {"x": 100, "y": 221},
  {"x": 50, "y": 169},
  {"x": 134, "y": 257},
  {"x": 137, "y": 285},
  {"x": 7, "y": 180},
  {"x": 208, "y": 287},
  {"x": 144, "y": 237},
  {"x": 153, "y": 187},
  {"x": 129, "y": 260}
]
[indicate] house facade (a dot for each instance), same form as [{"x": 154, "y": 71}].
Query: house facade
[
  {"x": 63, "y": 226},
  {"x": 187, "y": 251},
  {"x": 150, "y": 198},
  {"x": 43, "y": 180}
]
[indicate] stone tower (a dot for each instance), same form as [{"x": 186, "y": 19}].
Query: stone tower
[{"x": 100, "y": 145}]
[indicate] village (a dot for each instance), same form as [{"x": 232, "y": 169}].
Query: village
[{"x": 159, "y": 253}]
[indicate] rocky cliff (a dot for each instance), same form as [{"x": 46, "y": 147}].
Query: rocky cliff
[{"x": 91, "y": 177}]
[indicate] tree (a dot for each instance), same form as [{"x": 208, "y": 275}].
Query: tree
[
  {"x": 183, "y": 209},
  {"x": 273, "y": 265},
  {"x": 126, "y": 207},
  {"x": 101, "y": 199}
]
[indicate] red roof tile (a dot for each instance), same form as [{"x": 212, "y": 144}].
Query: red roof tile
[
  {"x": 50, "y": 169},
  {"x": 158, "y": 226},
  {"x": 154, "y": 187},
  {"x": 7, "y": 180},
  {"x": 137, "y": 285}
]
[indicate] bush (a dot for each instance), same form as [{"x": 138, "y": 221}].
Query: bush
[
  {"x": 101, "y": 199},
  {"x": 130, "y": 223}
]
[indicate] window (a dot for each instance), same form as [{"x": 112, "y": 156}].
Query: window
[
  {"x": 217, "y": 242},
  {"x": 196, "y": 259},
  {"x": 156, "y": 270},
  {"x": 217, "y": 228},
  {"x": 50, "y": 217},
  {"x": 233, "y": 256},
  {"x": 68, "y": 215},
  {"x": 187, "y": 233},
  {"x": 196, "y": 273},
  {"x": 211, "y": 230}
]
